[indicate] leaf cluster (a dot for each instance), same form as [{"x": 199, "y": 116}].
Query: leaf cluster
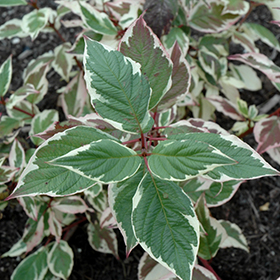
[{"x": 139, "y": 149}]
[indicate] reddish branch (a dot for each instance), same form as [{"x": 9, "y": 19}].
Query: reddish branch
[{"x": 209, "y": 267}]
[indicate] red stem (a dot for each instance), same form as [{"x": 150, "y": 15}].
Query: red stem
[
  {"x": 252, "y": 6},
  {"x": 209, "y": 267},
  {"x": 81, "y": 220},
  {"x": 157, "y": 138},
  {"x": 22, "y": 111},
  {"x": 130, "y": 141}
]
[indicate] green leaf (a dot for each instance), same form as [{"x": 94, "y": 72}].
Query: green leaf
[
  {"x": 105, "y": 161},
  {"x": 41, "y": 178},
  {"x": 35, "y": 266},
  {"x": 182, "y": 160},
  {"x": 119, "y": 92},
  {"x": 249, "y": 164},
  {"x": 60, "y": 259},
  {"x": 10, "y": 3},
  {"x": 120, "y": 201},
  {"x": 143, "y": 46},
  {"x": 210, "y": 239},
  {"x": 165, "y": 225},
  {"x": 5, "y": 76},
  {"x": 97, "y": 21}
]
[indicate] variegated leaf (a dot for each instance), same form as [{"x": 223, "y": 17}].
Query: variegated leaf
[
  {"x": 8, "y": 128},
  {"x": 60, "y": 259},
  {"x": 40, "y": 123},
  {"x": 17, "y": 249},
  {"x": 181, "y": 79},
  {"x": 104, "y": 161},
  {"x": 107, "y": 219},
  {"x": 201, "y": 273},
  {"x": 33, "y": 233},
  {"x": 63, "y": 61},
  {"x": 74, "y": 95},
  {"x": 17, "y": 155},
  {"x": 267, "y": 134},
  {"x": 216, "y": 193},
  {"x": 210, "y": 237},
  {"x": 35, "y": 266},
  {"x": 24, "y": 110},
  {"x": 143, "y": 46},
  {"x": 233, "y": 237},
  {"x": 12, "y": 28},
  {"x": 97, "y": 21},
  {"x": 248, "y": 163},
  {"x": 149, "y": 269},
  {"x": 103, "y": 240},
  {"x": 99, "y": 202},
  {"x": 185, "y": 159},
  {"x": 5, "y": 76},
  {"x": 226, "y": 107},
  {"x": 247, "y": 75},
  {"x": 30, "y": 205},
  {"x": 54, "y": 226},
  {"x": 120, "y": 200},
  {"x": 165, "y": 225},
  {"x": 119, "y": 92},
  {"x": 263, "y": 34},
  {"x": 35, "y": 21},
  {"x": 56, "y": 181},
  {"x": 261, "y": 63},
  {"x": 244, "y": 40},
  {"x": 176, "y": 34},
  {"x": 20, "y": 94},
  {"x": 38, "y": 79},
  {"x": 214, "y": 17},
  {"x": 70, "y": 204}
]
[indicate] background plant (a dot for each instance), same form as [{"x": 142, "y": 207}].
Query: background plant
[{"x": 145, "y": 129}]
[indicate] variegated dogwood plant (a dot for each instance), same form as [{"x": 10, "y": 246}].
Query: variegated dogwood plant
[{"x": 127, "y": 156}]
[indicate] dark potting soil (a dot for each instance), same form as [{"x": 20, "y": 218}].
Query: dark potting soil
[{"x": 261, "y": 228}]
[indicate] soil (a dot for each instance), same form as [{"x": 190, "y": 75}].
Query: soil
[{"x": 261, "y": 228}]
